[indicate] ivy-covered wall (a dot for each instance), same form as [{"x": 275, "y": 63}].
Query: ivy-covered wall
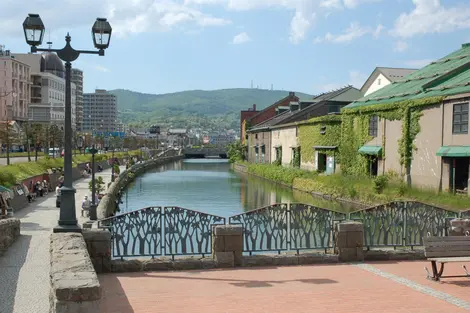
[
  {"x": 355, "y": 131},
  {"x": 310, "y": 135}
]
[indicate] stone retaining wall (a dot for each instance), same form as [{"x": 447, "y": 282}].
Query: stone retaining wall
[
  {"x": 107, "y": 205},
  {"x": 74, "y": 284},
  {"x": 9, "y": 231}
]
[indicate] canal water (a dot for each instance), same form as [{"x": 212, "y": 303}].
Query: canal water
[{"x": 210, "y": 186}]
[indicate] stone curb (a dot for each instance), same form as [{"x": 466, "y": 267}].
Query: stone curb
[{"x": 9, "y": 231}]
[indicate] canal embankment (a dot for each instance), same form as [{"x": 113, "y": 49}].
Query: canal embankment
[{"x": 361, "y": 191}]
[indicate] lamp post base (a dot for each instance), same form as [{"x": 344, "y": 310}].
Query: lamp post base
[
  {"x": 67, "y": 229},
  {"x": 93, "y": 214},
  {"x": 67, "y": 219}
]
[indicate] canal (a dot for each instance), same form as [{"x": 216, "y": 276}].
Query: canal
[{"x": 210, "y": 186}]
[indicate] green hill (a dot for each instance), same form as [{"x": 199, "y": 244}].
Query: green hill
[{"x": 194, "y": 108}]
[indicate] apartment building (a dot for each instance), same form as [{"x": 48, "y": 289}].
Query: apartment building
[
  {"x": 47, "y": 103},
  {"x": 77, "y": 79},
  {"x": 99, "y": 112},
  {"x": 14, "y": 88}
]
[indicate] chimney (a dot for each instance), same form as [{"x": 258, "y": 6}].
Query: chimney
[
  {"x": 254, "y": 107},
  {"x": 291, "y": 94}
]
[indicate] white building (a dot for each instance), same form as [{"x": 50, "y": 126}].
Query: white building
[
  {"x": 382, "y": 76},
  {"x": 14, "y": 88},
  {"x": 99, "y": 112},
  {"x": 77, "y": 79},
  {"x": 47, "y": 103}
]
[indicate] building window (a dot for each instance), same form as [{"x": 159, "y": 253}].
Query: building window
[
  {"x": 460, "y": 122},
  {"x": 373, "y": 125}
]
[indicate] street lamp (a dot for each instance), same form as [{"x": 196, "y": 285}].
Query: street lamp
[{"x": 34, "y": 32}]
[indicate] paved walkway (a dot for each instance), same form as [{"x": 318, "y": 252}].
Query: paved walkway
[
  {"x": 385, "y": 287},
  {"x": 24, "y": 268}
]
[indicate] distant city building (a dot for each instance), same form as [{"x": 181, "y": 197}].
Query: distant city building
[
  {"x": 99, "y": 112},
  {"x": 14, "y": 88},
  {"x": 221, "y": 140},
  {"x": 77, "y": 79},
  {"x": 47, "y": 96}
]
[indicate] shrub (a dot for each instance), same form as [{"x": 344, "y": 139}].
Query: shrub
[
  {"x": 285, "y": 175},
  {"x": 380, "y": 183}
]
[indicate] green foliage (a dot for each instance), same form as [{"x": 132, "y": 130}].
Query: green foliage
[
  {"x": 99, "y": 185},
  {"x": 309, "y": 136},
  {"x": 354, "y": 134},
  {"x": 281, "y": 174},
  {"x": 216, "y": 109},
  {"x": 236, "y": 151},
  {"x": 117, "y": 170},
  {"x": 380, "y": 182},
  {"x": 296, "y": 159}
]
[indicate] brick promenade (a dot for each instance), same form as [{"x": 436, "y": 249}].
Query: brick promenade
[{"x": 382, "y": 287}]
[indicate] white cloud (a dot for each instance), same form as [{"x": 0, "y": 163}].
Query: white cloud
[
  {"x": 331, "y": 4},
  {"x": 429, "y": 16},
  {"x": 102, "y": 68},
  {"x": 400, "y": 46},
  {"x": 354, "y": 31},
  {"x": 241, "y": 38},
  {"x": 126, "y": 17},
  {"x": 419, "y": 63},
  {"x": 351, "y": 4},
  {"x": 356, "y": 79}
]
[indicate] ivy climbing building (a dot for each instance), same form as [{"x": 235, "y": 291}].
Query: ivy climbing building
[{"x": 416, "y": 127}]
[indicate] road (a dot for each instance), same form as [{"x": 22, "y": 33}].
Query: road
[{"x": 3, "y": 161}]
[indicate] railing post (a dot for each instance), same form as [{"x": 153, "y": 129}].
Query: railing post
[{"x": 405, "y": 224}]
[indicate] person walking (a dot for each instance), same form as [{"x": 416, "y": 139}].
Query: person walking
[{"x": 86, "y": 205}]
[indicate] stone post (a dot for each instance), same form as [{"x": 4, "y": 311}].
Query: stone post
[
  {"x": 98, "y": 242},
  {"x": 227, "y": 245},
  {"x": 9, "y": 231},
  {"x": 459, "y": 227},
  {"x": 350, "y": 241}
]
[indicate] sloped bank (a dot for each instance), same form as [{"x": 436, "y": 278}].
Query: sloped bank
[{"x": 108, "y": 204}]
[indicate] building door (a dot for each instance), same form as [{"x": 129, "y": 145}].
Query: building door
[
  {"x": 373, "y": 166},
  {"x": 330, "y": 165},
  {"x": 459, "y": 170},
  {"x": 321, "y": 162}
]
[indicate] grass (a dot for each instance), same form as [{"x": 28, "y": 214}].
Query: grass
[
  {"x": 14, "y": 173},
  {"x": 362, "y": 189}
]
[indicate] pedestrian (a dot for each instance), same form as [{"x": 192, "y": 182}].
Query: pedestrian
[{"x": 86, "y": 206}]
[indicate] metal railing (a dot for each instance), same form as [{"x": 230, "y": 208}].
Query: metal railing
[
  {"x": 161, "y": 231},
  {"x": 402, "y": 223},
  {"x": 282, "y": 227},
  {"x": 172, "y": 231}
]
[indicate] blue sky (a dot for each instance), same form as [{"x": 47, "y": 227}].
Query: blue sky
[{"x": 161, "y": 46}]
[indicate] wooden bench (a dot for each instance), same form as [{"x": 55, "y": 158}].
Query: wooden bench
[{"x": 444, "y": 250}]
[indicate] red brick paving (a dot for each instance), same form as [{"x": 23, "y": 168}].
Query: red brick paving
[
  {"x": 457, "y": 287},
  {"x": 315, "y": 288}
]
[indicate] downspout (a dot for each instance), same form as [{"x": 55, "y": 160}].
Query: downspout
[
  {"x": 384, "y": 139},
  {"x": 442, "y": 143}
]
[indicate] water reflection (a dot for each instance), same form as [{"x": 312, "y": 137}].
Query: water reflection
[{"x": 209, "y": 185}]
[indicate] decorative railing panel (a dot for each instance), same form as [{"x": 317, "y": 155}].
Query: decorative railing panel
[
  {"x": 264, "y": 229},
  {"x": 188, "y": 232},
  {"x": 157, "y": 231},
  {"x": 402, "y": 223},
  {"x": 423, "y": 219},
  {"x": 137, "y": 233},
  {"x": 312, "y": 227}
]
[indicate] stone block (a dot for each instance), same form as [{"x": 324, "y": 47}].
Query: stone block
[
  {"x": 188, "y": 263},
  {"x": 316, "y": 258},
  {"x": 341, "y": 240},
  {"x": 355, "y": 239},
  {"x": 351, "y": 255},
  {"x": 228, "y": 230},
  {"x": 350, "y": 226},
  {"x": 238, "y": 258},
  {"x": 100, "y": 248},
  {"x": 396, "y": 255},
  {"x": 285, "y": 259},
  {"x": 224, "y": 259},
  {"x": 76, "y": 286},
  {"x": 163, "y": 264},
  {"x": 218, "y": 243},
  {"x": 207, "y": 263},
  {"x": 120, "y": 266},
  {"x": 233, "y": 243},
  {"x": 257, "y": 260},
  {"x": 75, "y": 307},
  {"x": 73, "y": 261}
]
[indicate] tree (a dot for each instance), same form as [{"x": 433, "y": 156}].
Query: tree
[
  {"x": 56, "y": 137},
  {"x": 8, "y": 136},
  {"x": 236, "y": 151},
  {"x": 26, "y": 138},
  {"x": 99, "y": 185},
  {"x": 39, "y": 137}
]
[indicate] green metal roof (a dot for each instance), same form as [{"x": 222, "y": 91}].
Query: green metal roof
[
  {"x": 4, "y": 189},
  {"x": 454, "y": 151},
  {"x": 444, "y": 77},
  {"x": 372, "y": 150}
]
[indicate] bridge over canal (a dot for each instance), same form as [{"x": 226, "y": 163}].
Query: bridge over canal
[{"x": 206, "y": 152}]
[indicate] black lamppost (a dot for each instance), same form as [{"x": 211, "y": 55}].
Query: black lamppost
[
  {"x": 34, "y": 33},
  {"x": 93, "y": 216}
]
